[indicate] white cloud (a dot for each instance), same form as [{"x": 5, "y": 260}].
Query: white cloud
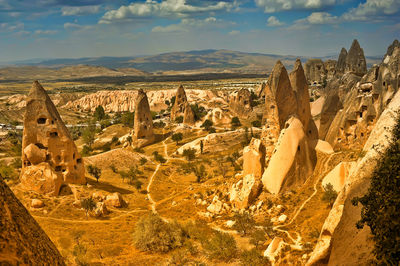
[
  {"x": 234, "y": 32},
  {"x": 371, "y": 9},
  {"x": 79, "y": 10},
  {"x": 315, "y": 18},
  {"x": 274, "y": 22},
  {"x": 45, "y": 32},
  {"x": 167, "y": 8},
  {"x": 188, "y": 24},
  {"x": 7, "y": 27},
  {"x": 271, "y": 6}
]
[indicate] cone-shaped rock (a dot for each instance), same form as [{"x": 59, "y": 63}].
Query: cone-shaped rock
[
  {"x": 143, "y": 127},
  {"x": 390, "y": 49},
  {"x": 341, "y": 63},
  {"x": 181, "y": 107},
  {"x": 49, "y": 155},
  {"x": 240, "y": 102},
  {"x": 355, "y": 60},
  {"x": 22, "y": 240},
  {"x": 283, "y": 93},
  {"x": 300, "y": 86}
]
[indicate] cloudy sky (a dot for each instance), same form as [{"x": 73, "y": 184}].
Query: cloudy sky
[{"x": 71, "y": 29}]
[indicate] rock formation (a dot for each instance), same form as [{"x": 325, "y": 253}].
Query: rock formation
[
  {"x": 240, "y": 102},
  {"x": 22, "y": 240},
  {"x": 330, "y": 69},
  {"x": 338, "y": 175},
  {"x": 49, "y": 155},
  {"x": 341, "y": 63},
  {"x": 143, "y": 125},
  {"x": 182, "y": 107},
  {"x": 355, "y": 60},
  {"x": 315, "y": 71},
  {"x": 245, "y": 192},
  {"x": 364, "y": 103},
  {"x": 254, "y": 158}
]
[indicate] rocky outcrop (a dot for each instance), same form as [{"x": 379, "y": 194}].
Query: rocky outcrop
[
  {"x": 274, "y": 248},
  {"x": 254, "y": 158},
  {"x": 292, "y": 158},
  {"x": 341, "y": 63},
  {"x": 49, "y": 155},
  {"x": 338, "y": 175},
  {"x": 240, "y": 102},
  {"x": 182, "y": 108},
  {"x": 330, "y": 69},
  {"x": 245, "y": 192},
  {"x": 315, "y": 71},
  {"x": 339, "y": 231},
  {"x": 355, "y": 60},
  {"x": 143, "y": 124},
  {"x": 22, "y": 240},
  {"x": 364, "y": 103},
  {"x": 391, "y": 48}
]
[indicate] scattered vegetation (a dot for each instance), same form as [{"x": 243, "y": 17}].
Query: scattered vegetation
[
  {"x": 190, "y": 154},
  {"x": 153, "y": 234},
  {"x": 207, "y": 124},
  {"x": 198, "y": 111},
  {"x": 158, "y": 157},
  {"x": 244, "y": 222},
  {"x": 88, "y": 204},
  {"x": 177, "y": 137},
  {"x": 221, "y": 246},
  {"x": 179, "y": 119},
  {"x": 132, "y": 176},
  {"x": 253, "y": 257},
  {"x": 235, "y": 122}
]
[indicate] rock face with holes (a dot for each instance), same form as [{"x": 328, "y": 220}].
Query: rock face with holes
[
  {"x": 364, "y": 103},
  {"x": 240, "y": 102},
  {"x": 182, "y": 107},
  {"x": 49, "y": 155},
  {"x": 143, "y": 127},
  {"x": 22, "y": 240},
  {"x": 315, "y": 71},
  {"x": 288, "y": 115}
]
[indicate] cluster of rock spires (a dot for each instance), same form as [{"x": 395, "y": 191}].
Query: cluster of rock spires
[
  {"x": 240, "y": 102},
  {"x": 49, "y": 155},
  {"x": 182, "y": 107}
]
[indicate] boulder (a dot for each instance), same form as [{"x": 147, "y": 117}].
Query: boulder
[
  {"x": 338, "y": 175},
  {"x": 143, "y": 124},
  {"x": 245, "y": 192},
  {"x": 274, "y": 248},
  {"x": 254, "y": 158},
  {"x": 216, "y": 206},
  {"x": 34, "y": 154},
  {"x": 42, "y": 179},
  {"x": 292, "y": 161},
  {"x": 324, "y": 147},
  {"x": 115, "y": 200},
  {"x": 37, "y": 203},
  {"x": 282, "y": 218},
  {"x": 22, "y": 240},
  {"x": 47, "y": 146},
  {"x": 101, "y": 209}
]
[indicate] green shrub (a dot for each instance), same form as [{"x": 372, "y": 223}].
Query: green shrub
[
  {"x": 207, "y": 124},
  {"x": 179, "y": 119},
  {"x": 190, "y": 154},
  {"x": 235, "y": 122},
  {"x": 99, "y": 113},
  {"x": 128, "y": 119},
  {"x": 177, "y": 137},
  {"x": 329, "y": 195},
  {"x": 253, "y": 257},
  {"x": 158, "y": 157},
  {"x": 86, "y": 150},
  {"x": 94, "y": 171},
  {"x": 222, "y": 246},
  {"x": 256, "y": 123},
  {"x": 153, "y": 234},
  {"x": 244, "y": 222},
  {"x": 88, "y": 204},
  {"x": 381, "y": 204},
  {"x": 159, "y": 124}
]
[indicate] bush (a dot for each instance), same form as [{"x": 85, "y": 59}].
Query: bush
[
  {"x": 159, "y": 124},
  {"x": 221, "y": 246},
  {"x": 253, "y": 257},
  {"x": 88, "y": 204},
  {"x": 177, "y": 137},
  {"x": 86, "y": 150},
  {"x": 244, "y": 222},
  {"x": 153, "y": 234},
  {"x": 256, "y": 123},
  {"x": 330, "y": 194},
  {"x": 190, "y": 154},
  {"x": 198, "y": 111},
  {"x": 179, "y": 119},
  {"x": 143, "y": 161},
  {"x": 381, "y": 204},
  {"x": 158, "y": 157},
  {"x": 235, "y": 122},
  {"x": 207, "y": 124},
  {"x": 94, "y": 171},
  {"x": 99, "y": 113}
]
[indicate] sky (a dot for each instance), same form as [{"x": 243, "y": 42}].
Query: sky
[{"x": 90, "y": 28}]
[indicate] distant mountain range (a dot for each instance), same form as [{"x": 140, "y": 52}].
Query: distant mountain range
[{"x": 175, "y": 63}]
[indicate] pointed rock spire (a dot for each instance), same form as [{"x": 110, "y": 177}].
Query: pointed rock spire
[
  {"x": 49, "y": 155},
  {"x": 355, "y": 60},
  {"x": 182, "y": 107},
  {"x": 143, "y": 127},
  {"x": 341, "y": 63}
]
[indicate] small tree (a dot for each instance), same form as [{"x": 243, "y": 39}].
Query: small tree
[
  {"x": 207, "y": 124},
  {"x": 129, "y": 140},
  {"x": 94, "y": 171},
  {"x": 256, "y": 123},
  {"x": 99, "y": 113},
  {"x": 330, "y": 194},
  {"x": 88, "y": 134},
  {"x": 190, "y": 154},
  {"x": 222, "y": 246},
  {"x": 158, "y": 157},
  {"x": 177, "y": 137},
  {"x": 201, "y": 146},
  {"x": 179, "y": 119},
  {"x": 143, "y": 161},
  {"x": 200, "y": 172},
  {"x": 244, "y": 222},
  {"x": 88, "y": 205},
  {"x": 235, "y": 122},
  {"x": 128, "y": 119}
]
